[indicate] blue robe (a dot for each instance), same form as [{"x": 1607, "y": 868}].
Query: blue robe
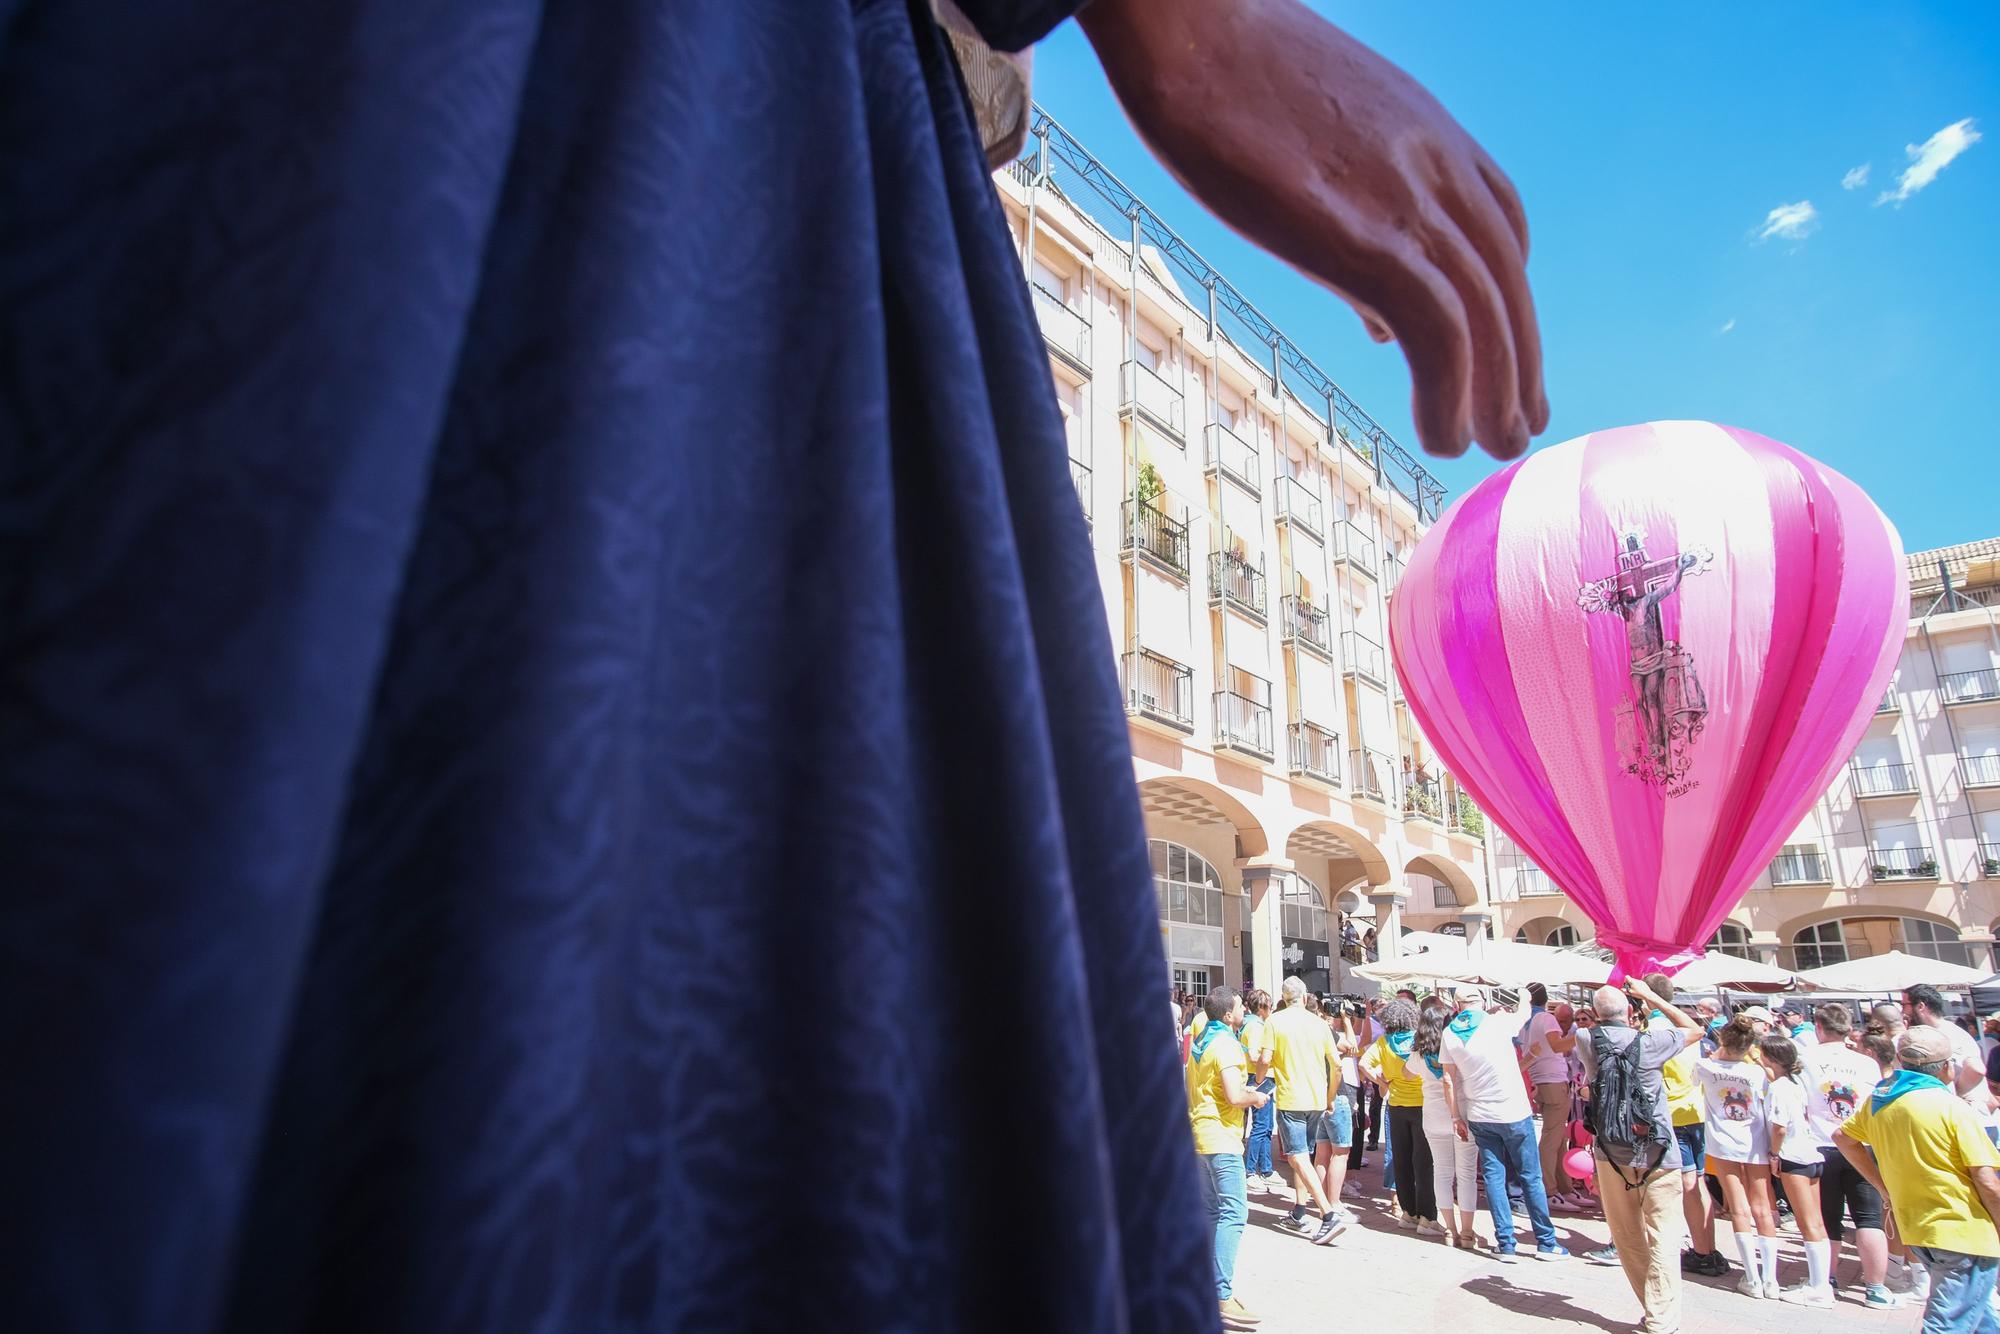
[{"x": 560, "y": 764}]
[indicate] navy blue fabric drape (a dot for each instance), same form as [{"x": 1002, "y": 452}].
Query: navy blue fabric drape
[{"x": 559, "y": 764}]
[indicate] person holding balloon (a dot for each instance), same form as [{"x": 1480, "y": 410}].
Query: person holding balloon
[{"x": 1734, "y": 1087}]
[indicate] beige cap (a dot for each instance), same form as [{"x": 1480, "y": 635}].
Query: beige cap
[
  {"x": 1757, "y": 1013},
  {"x": 1923, "y": 1045}
]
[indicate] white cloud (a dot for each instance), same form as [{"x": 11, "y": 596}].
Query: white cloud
[
  {"x": 1929, "y": 158},
  {"x": 1856, "y": 177},
  {"x": 1730, "y": 324},
  {"x": 1790, "y": 222}
]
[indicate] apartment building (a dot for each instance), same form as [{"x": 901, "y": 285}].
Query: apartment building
[
  {"x": 1903, "y": 851},
  {"x": 1250, "y": 522}
]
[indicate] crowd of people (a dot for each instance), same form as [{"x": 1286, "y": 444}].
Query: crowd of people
[{"x": 1880, "y": 1131}]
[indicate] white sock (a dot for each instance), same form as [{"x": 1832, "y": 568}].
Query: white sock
[
  {"x": 1819, "y": 1262},
  {"x": 1746, "y": 1250},
  {"x": 1767, "y": 1249}
]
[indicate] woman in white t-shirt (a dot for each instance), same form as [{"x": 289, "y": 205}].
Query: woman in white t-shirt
[
  {"x": 1795, "y": 1147},
  {"x": 1733, "y": 1084}
]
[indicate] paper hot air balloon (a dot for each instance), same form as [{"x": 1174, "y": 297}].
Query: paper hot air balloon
[{"x": 1646, "y": 652}]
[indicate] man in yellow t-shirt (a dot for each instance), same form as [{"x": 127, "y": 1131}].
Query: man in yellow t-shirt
[
  {"x": 1217, "y": 1093},
  {"x": 1307, "y": 1072},
  {"x": 1935, "y": 1165},
  {"x": 1684, "y": 1109}
]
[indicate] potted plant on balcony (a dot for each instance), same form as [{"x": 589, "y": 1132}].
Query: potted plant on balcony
[
  {"x": 1992, "y": 867},
  {"x": 1879, "y": 871},
  {"x": 1151, "y": 489},
  {"x": 1927, "y": 868}
]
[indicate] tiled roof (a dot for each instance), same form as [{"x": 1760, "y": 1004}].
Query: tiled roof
[{"x": 1923, "y": 564}]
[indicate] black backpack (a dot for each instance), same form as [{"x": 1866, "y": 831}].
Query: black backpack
[{"x": 1623, "y": 1113}]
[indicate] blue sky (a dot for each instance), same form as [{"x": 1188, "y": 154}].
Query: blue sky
[{"x": 1651, "y": 147}]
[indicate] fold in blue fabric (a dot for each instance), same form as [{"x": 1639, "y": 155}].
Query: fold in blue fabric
[
  {"x": 1466, "y": 1022},
  {"x": 1898, "y": 1084},
  {"x": 1401, "y": 1043},
  {"x": 553, "y": 693}
]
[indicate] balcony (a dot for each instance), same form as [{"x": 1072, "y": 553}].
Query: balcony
[
  {"x": 1159, "y": 688},
  {"x": 1303, "y": 623},
  {"x": 1079, "y": 476},
  {"x": 1362, "y": 657},
  {"x": 1316, "y": 752},
  {"x": 1932, "y": 601},
  {"x": 1354, "y": 548},
  {"x": 1159, "y": 539},
  {"x": 1154, "y": 399},
  {"x": 1801, "y": 868},
  {"x": 1423, "y": 799},
  {"x": 1297, "y": 505},
  {"x": 1228, "y": 454},
  {"x": 1532, "y": 882},
  {"x": 1066, "y": 331},
  {"x": 1374, "y": 775},
  {"x": 1972, "y": 687},
  {"x": 1989, "y": 859},
  {"x": 1888, "y": 704},
  {"x": 1886, "y": 864},
  {"x": 1235, "y": 582},
  {"x": 1243, "y": 717},
  {"x": 1979, "y": 770},
  {"x": 1464, "y": 817},
  {"x": 1885, "y": 780}
]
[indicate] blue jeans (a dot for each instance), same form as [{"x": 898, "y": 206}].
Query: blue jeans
[
  {"x": 1257, "y": 1154},
  {"x": 1229, "y": 1205},
  {"x": 1512, "y": 1152},
  {"x": 1961, "y": 1292}
]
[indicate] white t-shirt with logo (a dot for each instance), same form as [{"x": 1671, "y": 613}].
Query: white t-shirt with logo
[
  {"x": 1733, "y": 1094},
  {"x": 1838, "y": 1080},
  {"x": 1964, "y": 1052},
  {"x": 1545, "y": 1064},
  {"x": 1785, "y": 1107},
  {"x": 1488, "y": 1070}
]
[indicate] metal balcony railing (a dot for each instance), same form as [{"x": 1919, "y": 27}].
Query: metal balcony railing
[
  {"x": 1227, "y": 453},
  {"x": 1423, "y": 799},
  {"x": 1158, "y": 537},
  {"x": 1902, "y": 864},
  {"x": 1979, "y": 770},
  {"x": 1374, "y": 775},
  {"x": 1236, "y": 582},
  {"x": 1933, "y": 602},
  {"x": 1079, "y": 476},
  {"x": 1970, "y": 687},
  {"x": 1297, "y": 505},
  {"x": 1532, "y": 882},
  {"x": 1303, "y": 622},
  {"x": 1889, "y": 704},
  {"x": 1067, "y": 331},
  {"x": 1354, "y": 548},
  {"x": 1801, "y": 868},
  {"x": 1316, "y": 752},
  {"x": 1885, "y": 780},
  {"x": 1154, "y": 399},
  {"x": 1243, "y": 722},
  {"x": 1363, "y": 657},
  {"x": 1157, "y": 687}
]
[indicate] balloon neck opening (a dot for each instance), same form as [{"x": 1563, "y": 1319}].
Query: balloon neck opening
[{"x": 1637, "y": 956}]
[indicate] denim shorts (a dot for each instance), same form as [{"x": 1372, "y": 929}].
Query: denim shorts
[
  {"x": 1297, "y": 1131},
  {"x": 1336, "y": 1127},
  {"x": 1694, "y": 1145}
]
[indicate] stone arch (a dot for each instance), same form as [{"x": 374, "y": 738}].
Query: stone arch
[
  {"x": 1448, "y": 872},
  {"x": 1347, "y": 855},
  {"x": 1539, "y": 929},
  {"x": 1192, "y": 801}
]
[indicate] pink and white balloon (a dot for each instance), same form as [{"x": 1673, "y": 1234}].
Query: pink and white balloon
[{"x": 1645, "y": 653}]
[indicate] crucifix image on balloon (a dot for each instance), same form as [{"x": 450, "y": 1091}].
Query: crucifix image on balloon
[
  {"x": 1608, "y": 644},
  {"x": 1665, "y": 713}
]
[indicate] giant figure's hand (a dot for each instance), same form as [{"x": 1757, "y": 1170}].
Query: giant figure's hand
[{"x": 1331, "y": 158}]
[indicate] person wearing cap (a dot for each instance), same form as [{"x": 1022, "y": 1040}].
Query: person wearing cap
[
  {"x": 1761, "y": 1019},
  {"x": 1925, "y": 1005},
  {"x": 1934, "y": 1163},
  {"x": 1482, "y": 1076}
]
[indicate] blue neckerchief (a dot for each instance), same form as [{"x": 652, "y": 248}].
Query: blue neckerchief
[
  {"x": 1401, "y": 1043},
  {"x": 1896, "y": 1085},
  {"x": 1437, "y": 1066},
  {"x": 1207, "y": 1035},
  {"x": 1800, "y": 1030},
  {"x": 1466, "y": 1023}
]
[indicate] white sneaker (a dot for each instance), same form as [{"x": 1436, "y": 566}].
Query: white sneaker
[
  {"x": 1750, "y": 1287},
  {"x": 1807, "y": 1295},
  {"x": 1407, "y": 1222}
]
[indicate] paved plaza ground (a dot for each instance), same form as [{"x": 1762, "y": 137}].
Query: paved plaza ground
[{"x": 1395, "y": 1280}]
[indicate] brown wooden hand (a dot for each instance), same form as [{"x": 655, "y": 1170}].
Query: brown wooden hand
[{"x": 1331, "y": 158}]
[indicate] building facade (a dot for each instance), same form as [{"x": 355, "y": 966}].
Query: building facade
[
  {"x": 1250, "y": 523},
  {"x": 1903, "y": 851}
]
